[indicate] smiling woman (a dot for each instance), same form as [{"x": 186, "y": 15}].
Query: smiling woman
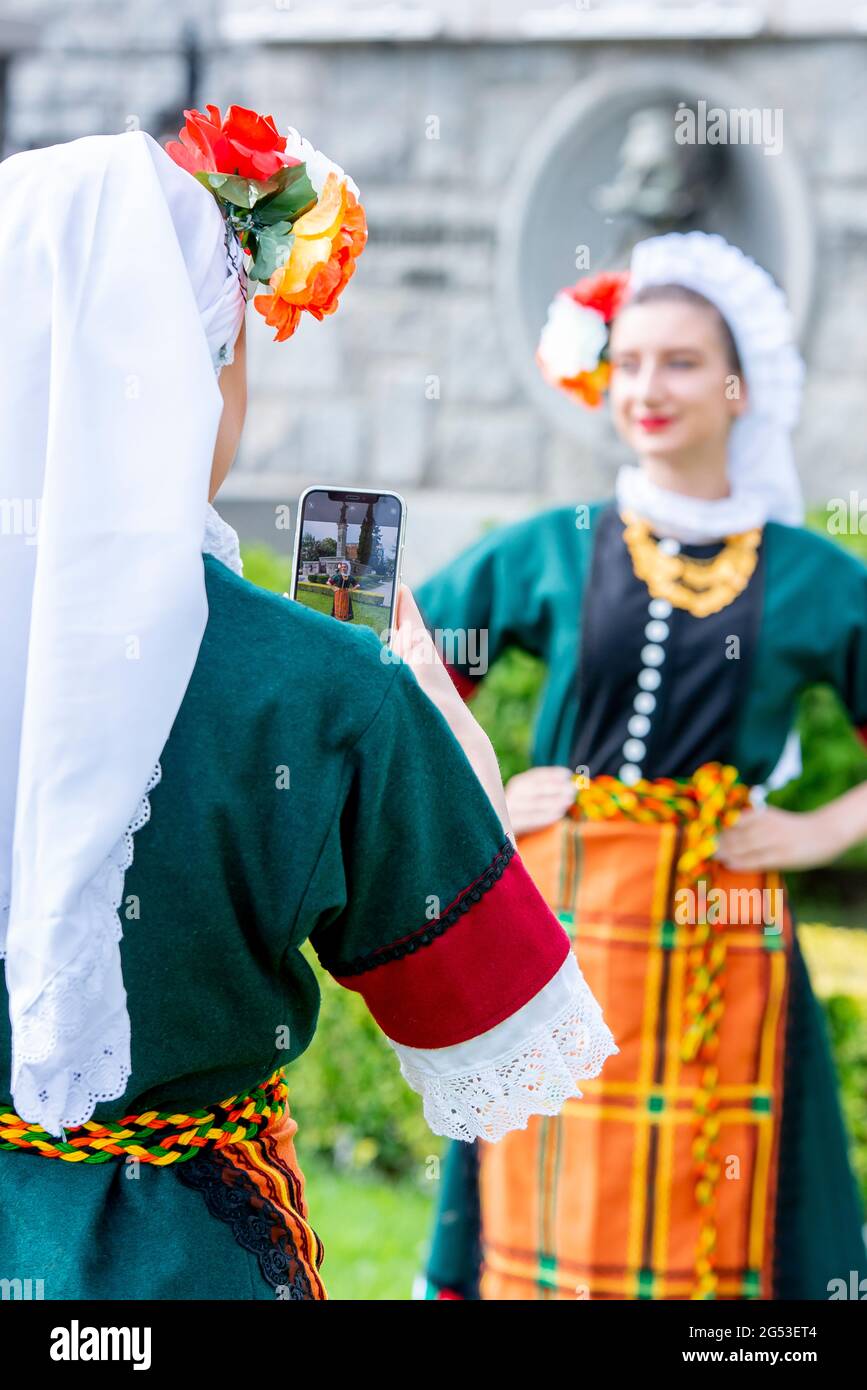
[{"x": 679, "y": 624}]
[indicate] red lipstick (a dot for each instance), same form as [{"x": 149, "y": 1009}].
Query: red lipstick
[{"x": 654, "y": 422}]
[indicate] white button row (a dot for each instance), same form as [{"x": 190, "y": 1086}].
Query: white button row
[
  {"x": 652, "y": 654},
  {"x": 649, "y": 679}
]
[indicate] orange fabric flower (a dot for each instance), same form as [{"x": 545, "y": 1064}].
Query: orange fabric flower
[
  {"x": 589, "y": 387},
  {"x": 328, "y": 240},
  {"x": 245, "y": 144}
]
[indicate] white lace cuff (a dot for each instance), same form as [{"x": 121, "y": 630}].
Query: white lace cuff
[{"x": 527, "y": 1065}]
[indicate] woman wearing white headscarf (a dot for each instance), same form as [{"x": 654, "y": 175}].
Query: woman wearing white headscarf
[
  {"x": 179, "y": 812},
  {"x": 679, "y": 624}
]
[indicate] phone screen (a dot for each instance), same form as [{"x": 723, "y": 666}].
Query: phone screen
[{"x": 347, "y": 555}]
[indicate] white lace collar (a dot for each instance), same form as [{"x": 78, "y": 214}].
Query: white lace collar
[{"x": 221, "y": 541}]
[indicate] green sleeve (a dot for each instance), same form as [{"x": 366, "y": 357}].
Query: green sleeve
[
  {"x": 414, "y": 830},
  {"x": 420, "y": 901},
  {"x": 851, "y": 676},
  {"x": 813, "y": 632},
  {"x": 840, "y": 634}
]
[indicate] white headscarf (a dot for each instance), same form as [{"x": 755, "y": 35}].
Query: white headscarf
[
  {"x": 763, "y": 479},
  {"x": 119, "y": 296}
]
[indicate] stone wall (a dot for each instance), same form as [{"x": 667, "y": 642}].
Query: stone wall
[{"x": 410, "y": 385}]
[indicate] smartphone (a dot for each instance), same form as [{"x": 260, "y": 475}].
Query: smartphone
[{"x": 348, "y": 553}]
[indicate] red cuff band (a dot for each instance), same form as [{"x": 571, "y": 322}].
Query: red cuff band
[{"x": 496, "y": 957}]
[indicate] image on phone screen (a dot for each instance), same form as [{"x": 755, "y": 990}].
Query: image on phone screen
[{"x": 347, "y": 555}]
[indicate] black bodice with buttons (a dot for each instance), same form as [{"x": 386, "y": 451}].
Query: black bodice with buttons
[{"x": 659, "y": 688}]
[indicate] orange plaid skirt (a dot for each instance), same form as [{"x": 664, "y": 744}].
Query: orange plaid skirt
[
  {"x": 601, "y": 1201},
  {"x": 341, "y": 604}
]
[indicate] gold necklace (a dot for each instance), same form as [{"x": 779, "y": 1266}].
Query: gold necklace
[{"x": 701, "y": 587}]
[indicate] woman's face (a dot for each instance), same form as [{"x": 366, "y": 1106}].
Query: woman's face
[
  {"x": 233, "y": 386},
  {"x": 674, "y": 391}
]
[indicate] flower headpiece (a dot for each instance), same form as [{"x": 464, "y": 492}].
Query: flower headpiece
[
  {"x": 573, "y": 348},
  {"x": 294, "y": 212}
]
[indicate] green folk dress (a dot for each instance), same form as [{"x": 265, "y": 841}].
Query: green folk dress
[
  {"x": 636, "y": 689},
  {"x": 282, "y": 816}
]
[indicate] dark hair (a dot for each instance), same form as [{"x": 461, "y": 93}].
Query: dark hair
[{"x": 658, "y": 294}]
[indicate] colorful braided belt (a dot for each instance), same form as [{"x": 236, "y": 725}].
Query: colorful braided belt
[{"x": 155, "y": 1136}]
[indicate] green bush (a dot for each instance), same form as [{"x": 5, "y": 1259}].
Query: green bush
[
  {"x": 847, "y": 1025},
  {"x": 357, "y": 597},
  {"x": 835, "y": 759},
  {"x": 263, "y": 566}
]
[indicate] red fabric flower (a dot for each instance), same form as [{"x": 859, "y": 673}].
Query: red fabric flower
[
  {"x": 604, "y": 292},
  {"x": 244, "y": 143}
]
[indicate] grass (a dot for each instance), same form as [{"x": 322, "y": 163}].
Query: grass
[
  {"x": 364, "y": 614},
  {"x": 375, "y": 1232}
]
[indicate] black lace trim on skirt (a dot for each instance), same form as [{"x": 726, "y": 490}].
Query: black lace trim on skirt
[{"x": 257, "y": 1224}]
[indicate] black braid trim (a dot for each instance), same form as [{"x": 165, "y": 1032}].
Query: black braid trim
[{"x": 425, "y": 936}]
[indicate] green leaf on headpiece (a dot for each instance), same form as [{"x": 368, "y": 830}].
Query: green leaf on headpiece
[
  {"x": 228, "y": 188},
  {"x": 273, "y": 245},
  {"x": 295, "y": 197},
  {"x": 240, "y": 192}
]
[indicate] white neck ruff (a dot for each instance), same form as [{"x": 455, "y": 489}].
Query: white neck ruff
[{"x": 692, "y": 520}]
